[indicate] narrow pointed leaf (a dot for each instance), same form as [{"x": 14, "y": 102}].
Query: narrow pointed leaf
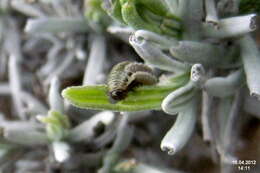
[{"x": 141, "y": 98}]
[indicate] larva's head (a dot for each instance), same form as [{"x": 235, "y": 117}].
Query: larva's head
[{"x": 117, "y": 94}]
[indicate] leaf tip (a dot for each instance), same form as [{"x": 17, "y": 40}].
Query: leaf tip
[{"x": 66, "y": 92}]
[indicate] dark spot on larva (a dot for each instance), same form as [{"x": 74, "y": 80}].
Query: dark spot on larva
[
  {"x": 125, "y": 76},
  {"x": 129, "y": 73},
  {"x": 126, "y": 80},
  {"x": 118, "y": 94}
]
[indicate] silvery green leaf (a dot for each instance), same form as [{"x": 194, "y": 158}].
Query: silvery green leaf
[
  {"x": 251, "y": 61},
  {"x": 55, "y": 25},
  {"x": 198, "y": 52},
  {"x": 224, "y": 86},
  {"x": 231, "y": 27},
  {"x": 176, "y": 101},
  {"x": 181, "y": 131}
]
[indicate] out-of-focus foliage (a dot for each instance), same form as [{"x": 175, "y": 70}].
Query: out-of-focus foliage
[
  {"x": 152, "y": 15},
  {"x": 249, "y": 6}
]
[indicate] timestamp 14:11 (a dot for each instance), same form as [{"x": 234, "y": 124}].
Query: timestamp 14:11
[{"x": 243, "y": 168}]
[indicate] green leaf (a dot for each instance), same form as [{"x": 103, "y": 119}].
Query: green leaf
[
  {"x": 113, "y": 9},
  {"x": 95, "y": 13},
  {"x": 57, "y": 125},
  {"x": 141, "y": 98}
]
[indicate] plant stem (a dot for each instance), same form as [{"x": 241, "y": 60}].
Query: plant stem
[
  {"x": 223, "y": 117},
  {"x": 16, "y": 86},
  {"x": 96, "y": 60},
  {"x": 55, "y": 100},
  {"x": 26, "y": 8},
  {"x": 205, "y": 116},
  {"x": 211, "y": 12},
  {"x": 68, "y": 59},
  {"x": 24, "y": 133},
  {"x": 191, "y": 13},
  {"x": 230, "y": 134},
  {"x": 56, "y": 25},
  {"x": 250, "y": 56},
  {"x": 123, "y": 139}
]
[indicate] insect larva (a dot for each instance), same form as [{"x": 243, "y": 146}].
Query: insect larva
[{"x": 126, "y": 75}]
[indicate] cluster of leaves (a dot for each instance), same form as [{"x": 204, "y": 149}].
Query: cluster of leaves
[
  {"x": 158, "y": 17},
  {"x": 168, "y": 35},
  {"x": 150, "y": 15}
]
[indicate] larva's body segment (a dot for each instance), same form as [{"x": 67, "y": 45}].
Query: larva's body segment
[
  {"x": 136, "y": 67},
  {"x": 144, "y": 78},
  {"x": 126, "y": 75},
  {"x": 117, "y": 81}
]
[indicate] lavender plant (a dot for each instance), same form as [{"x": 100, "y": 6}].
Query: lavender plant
[
  {"x": 202, "y": 52},
  {"x": 183, "y": 37}
]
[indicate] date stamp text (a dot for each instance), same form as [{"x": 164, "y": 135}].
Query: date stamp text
[{"x": 244, "y": 165}]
